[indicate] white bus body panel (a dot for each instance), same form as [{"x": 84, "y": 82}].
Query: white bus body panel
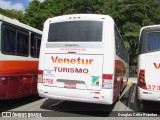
[
  {"x": 90, "y": 96},
  {"x": 102, "y": 53},
  {"x": 150, "y": 62},
  {"x": 79, "y": 69}
]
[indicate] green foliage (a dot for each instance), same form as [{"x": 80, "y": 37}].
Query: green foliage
[
  {"x": 38, "y": 12},
  {"x": 13, "y": 14},
  {"x": 33, "y": 14},
  {"x": 129, "y": 15},
  {"x": 82, "y": 6}
]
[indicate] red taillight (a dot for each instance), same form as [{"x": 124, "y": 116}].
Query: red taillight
[
  {"x": 40, "y": 71},
  {"x": 141, "y": 80},
  {"x": 107, "y": 76},
  {"x": 40, "y": 76},
  {"x": 107, "y": 81}
]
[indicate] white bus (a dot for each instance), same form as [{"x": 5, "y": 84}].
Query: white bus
[
  {"x": 19, "y": 52},
  {"x": 149, "y": 63},
  {"x": 82, "y": 58}
]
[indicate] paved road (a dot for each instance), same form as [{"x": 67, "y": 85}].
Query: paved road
[
  {"x": 44, "y": 104},
  {"x": 128, "y": 104}
]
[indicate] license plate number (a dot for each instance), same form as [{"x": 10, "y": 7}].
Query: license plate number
[{"x": 70, "y": 85}]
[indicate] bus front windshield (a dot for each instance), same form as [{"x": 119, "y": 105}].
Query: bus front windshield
[{"x": 76, "y": 31}]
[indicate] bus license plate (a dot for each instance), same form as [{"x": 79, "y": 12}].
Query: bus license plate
[{"x": 70, "y": 85}]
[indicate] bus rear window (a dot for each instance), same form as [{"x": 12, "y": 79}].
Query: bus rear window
[
  {"x": 153, "y": 41},
  {"x": 76, "y": 31}
]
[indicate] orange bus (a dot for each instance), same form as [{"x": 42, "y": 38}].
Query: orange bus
[{"x": 19, "y": 52}]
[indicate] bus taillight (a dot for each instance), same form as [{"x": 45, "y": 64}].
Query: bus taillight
[
  {"x": 141, "y": 80},
  {"x": 40, "y": 76},
  {"x": 107, "y": 81}
]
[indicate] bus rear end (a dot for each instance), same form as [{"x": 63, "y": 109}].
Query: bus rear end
[
  {"x": 149, "y": 64},
  {"x": 73, "y": 57}
]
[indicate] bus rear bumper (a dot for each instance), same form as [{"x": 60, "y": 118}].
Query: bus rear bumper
[
  {"x": 148, "y": 95},
  {"x": 104, "y": 96}
]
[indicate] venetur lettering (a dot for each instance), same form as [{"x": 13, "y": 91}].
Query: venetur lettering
[{"x": 71, "y": 61}]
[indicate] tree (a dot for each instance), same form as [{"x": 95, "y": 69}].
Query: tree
[
  {"x": 38, "y": 12},
  {"x": 129, "y": 15},
  {"x": 33, "y": 15},
  {"x": 81, "y": 6},
  {"x": 14, "y": 14}
]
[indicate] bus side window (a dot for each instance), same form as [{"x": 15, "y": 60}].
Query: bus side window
[
  {"x": 35, "y": 45},
  {"x": 22, "y": 43},
  {"x": 8, "y": 40},
  {"x": 38, "y": 46},
  {"x": 118, "y": 45}
]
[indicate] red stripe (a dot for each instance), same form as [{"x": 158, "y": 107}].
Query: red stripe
[{"x": 7, "y": 67}]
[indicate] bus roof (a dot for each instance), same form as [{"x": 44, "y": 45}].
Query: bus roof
[
  {"x": 17, "y": 23},
  {"x": 81, "y": 16},
  {"x": 150, "y": 26},
  {"x": 144, "y": 27}
]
